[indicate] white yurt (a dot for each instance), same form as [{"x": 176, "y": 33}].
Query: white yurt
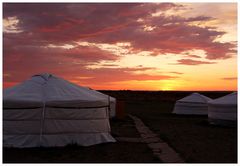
[
  {"x": 49, "y": 111},
  {"x": 223, "y": 110},
  {"x": 194, "y": 104}
]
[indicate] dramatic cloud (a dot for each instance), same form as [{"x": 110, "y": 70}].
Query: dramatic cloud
[
  {"x": 133, "y": 23},
  {"x": 86, "y": 41}
]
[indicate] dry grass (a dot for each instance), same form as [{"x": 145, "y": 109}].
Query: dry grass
[{"x": 191, "y": 136}]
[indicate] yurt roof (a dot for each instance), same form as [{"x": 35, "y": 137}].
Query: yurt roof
[
  {"x": 230, "y": 99},
  {"x": 52, "y": 91},
  {"x": 195, "y": 98}
]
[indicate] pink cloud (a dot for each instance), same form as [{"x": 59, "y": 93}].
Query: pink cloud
[
  {"x": 193, "y": 56},
  {"x": 174, "y": 72},
  {"x": 108, "y": 75},
  {"x": 192, "y": 62},
  {"x": 24, "y": 61},
  {"x": 61, "y": 23},
  {"x": 229, "y": 78},
  {"x": 75, "y": 73}
]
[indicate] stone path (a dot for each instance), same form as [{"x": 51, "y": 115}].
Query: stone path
[{"x": 160, "y": 149}]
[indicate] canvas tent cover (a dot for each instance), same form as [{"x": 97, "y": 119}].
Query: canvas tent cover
[
  {"x": 112, "y": 102},
  {"x": 223, "y": 108},
  {"x": 49, "y": 111},
  {"x": 194, "y": 104}
]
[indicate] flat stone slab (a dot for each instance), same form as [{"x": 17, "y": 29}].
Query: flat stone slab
[
  {"x": 170, "y": 158},
  {"x": 142, "y": 128},
  {"x": 151, "y": 140},
  {"x": 157, "y": 145},
  {"x": 129, "y": 139},
  {"x": 148, "y": 135}
]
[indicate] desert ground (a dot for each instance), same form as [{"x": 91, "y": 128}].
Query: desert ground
[{"x": 190, "y": 136}]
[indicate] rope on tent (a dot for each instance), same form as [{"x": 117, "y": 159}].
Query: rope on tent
[
  {"x": 43, "y": 111},
  {"x": 42, "y": 124}
]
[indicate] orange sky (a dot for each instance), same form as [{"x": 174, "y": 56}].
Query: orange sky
[{"x": 150, "y": 46}]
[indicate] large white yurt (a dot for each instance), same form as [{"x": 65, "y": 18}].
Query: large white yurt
[
  {"x": 49, "y": 111},
  {"x": 194, "y": 104},
  {"x": 223, "y": 110}
]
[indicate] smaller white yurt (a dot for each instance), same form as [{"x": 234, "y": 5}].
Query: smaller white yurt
[
  {"x": 194, "y": 104},
  {"x": 223, "y": 110}
]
